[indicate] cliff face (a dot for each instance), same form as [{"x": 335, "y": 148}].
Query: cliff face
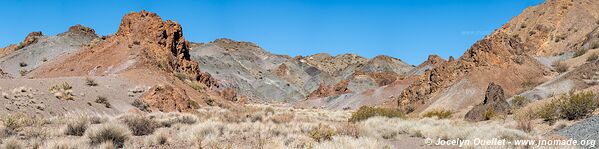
[{"x": 162, "y": 42}]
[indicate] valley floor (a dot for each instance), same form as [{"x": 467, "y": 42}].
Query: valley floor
[{"x": 257, "y": 126}]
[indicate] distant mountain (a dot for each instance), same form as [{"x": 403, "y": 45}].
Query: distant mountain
[{"x": 261, "y": 76}]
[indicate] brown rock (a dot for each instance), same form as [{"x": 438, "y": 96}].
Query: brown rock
[
  {"x": 494, "y": 104},
  {"x": 281, "y": 70},
  {"x": 167, "y": 99},
  {"x": 229, "y": 94},
  {"x": 324, "y": 90},
  {"x": 80, "y": 30}
]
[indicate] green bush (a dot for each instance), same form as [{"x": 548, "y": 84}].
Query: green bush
[
  {"x": 489, "y": 114},
  {"x": 570, "y": 106},
  {"x": 23, "y": 71},
  {"x": 322, "y": 133},
  {"x": 519, "y": 101},
  {"x": 441, "y": 114},
  {"x": 366, "y": 112},
  {"x": 580, "y": 52},
  {"x": 577, "y": 105}
]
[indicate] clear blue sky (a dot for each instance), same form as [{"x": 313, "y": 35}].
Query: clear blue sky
[{"x": 406, "y": 29}]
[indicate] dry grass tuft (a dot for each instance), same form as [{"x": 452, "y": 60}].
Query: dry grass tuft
[
  {"x": 283, "y": 117},
  {"x": 114, "y": 133},
  {"x": 524, "y": 120},
  {"x": 593, "y": 57},
  {"x": 13, "y": 143},
  {"x": 77, "y": 127}
]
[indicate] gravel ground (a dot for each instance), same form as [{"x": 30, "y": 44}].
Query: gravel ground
[{"x": 587, "y": 129}]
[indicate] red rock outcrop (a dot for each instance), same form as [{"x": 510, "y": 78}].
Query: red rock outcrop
[
  {"x": 324, "y": 90},
  {"x": 167, "y": 99}
]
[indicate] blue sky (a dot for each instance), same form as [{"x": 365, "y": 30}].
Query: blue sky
[{"x": 406, "y": 29}]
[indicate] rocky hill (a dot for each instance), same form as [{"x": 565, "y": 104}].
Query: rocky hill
[
  {"x": 519, "y": 56},
  {"x": 260, "y": 76},
  {"x": 149, "y": 56}
]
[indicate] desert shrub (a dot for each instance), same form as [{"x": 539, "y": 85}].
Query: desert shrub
[
  {"x": 13, "y": 144},
  {"x": 440, "y": 113},
  {"x": 23, "y": 71},
  {"x": 62, "y": 91},
  {"x": 548, "y": 112},
  {"x": 570, "y": 106},
  {"x": 580, "y": 52},
  {"x": 349, "y": 129},
  {"x": 489, "y": 114},
  {"x": 140, "y": 125},
  {"x": 114, "y": 133},
  {"x": 524, "y": 120},
  {"x": 141, "y": 105},
  {"x": 187, "y": 119},
  {"x": 560, "y": 67},
  {"x": 577, "y": 105},
  {"x": 282, "y": 118},
  {"x": 182, "y": 76},
  {"x": 90, "y": 82},
  {"x": 195, "y": 85},
  {"x": 103, "y": 100},
  {"x": 592, "y": 57},
  {"x": 193, "y": 104},
  {"x": 23, "y": 64},
  {"x": 97, "y": 119},
  {"x": 366, "y": 112},
  {"x": 77, "y": 127},
  {"x": 594, "y": 45},
  {"x": 15, "y": 121},
  {"x": 322, "y": 133},
  {"x": 519, "y": 101}
]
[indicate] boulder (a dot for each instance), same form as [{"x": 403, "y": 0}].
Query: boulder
[{"x": 493, "y": 105}]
